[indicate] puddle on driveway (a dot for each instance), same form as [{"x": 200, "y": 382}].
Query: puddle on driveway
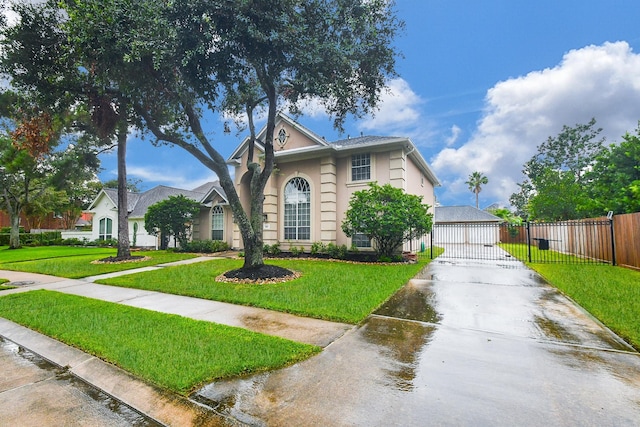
[
  {"x": 415, "y": 301},
  {"x": 402, "y": 343}
]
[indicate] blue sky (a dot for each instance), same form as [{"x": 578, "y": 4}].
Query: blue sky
[{"x": 481, "y": 85}]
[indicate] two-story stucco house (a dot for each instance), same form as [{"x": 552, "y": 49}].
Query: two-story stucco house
[{"x": 309, "y": 191}]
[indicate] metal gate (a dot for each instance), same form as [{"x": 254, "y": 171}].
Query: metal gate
[{"x": 570, "y": 242}]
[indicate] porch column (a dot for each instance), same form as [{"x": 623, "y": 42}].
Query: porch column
[
  {"x": 398, "y": 169},
  {"x": 328, "y": 200}
]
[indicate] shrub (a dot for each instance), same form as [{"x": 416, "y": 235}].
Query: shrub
[
  {"x": 106, "y": 242},
  {"x": 335, "y": 251},
  {"x": 73, "y": 241},
  {"x": 388, "y": 216},
  {"x": 296, "y": 251},
  {"x": 275, "y": 249},
  {"x": 318, "y": 248},
  {"x": 205, "y": 246}
]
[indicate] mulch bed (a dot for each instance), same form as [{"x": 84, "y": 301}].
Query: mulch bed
[
  {"x": 267, "y": 274},
  {"x": 121, "y": 260}
]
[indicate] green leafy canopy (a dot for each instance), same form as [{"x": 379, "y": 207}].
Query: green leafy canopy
[
  {"x": 388, "y": 216},
  {"x": 172, "y": 217}
]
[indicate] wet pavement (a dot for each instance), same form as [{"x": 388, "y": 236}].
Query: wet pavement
[
  {"x": 464, "y": 343},
  {"x": 26, "y": 374},
  {"x": 467, "y": 343}
]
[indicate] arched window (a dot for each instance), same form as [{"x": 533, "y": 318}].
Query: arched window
[
  {"x": 297, "y": 210},
  {"x": 217, "y": 223},
  {"x": 106, "y": 229}
]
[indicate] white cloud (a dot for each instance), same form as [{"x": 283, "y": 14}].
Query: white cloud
[
  {"x": 455, "y": 134},
  {"x": 313, "y": 107},
  {"x": 152, "y": 176},
  {"x": 601, "y": 82},
  {"x": 398, "y": 106}
]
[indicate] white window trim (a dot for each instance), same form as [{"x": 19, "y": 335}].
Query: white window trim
[
  {"x": 281, "y": 200},
  {"x": 223, "y": 220},
  {"x": 372, "y": 171},
  {"x": 363, "y": 248},
  {"x": 105, "y": 218}
]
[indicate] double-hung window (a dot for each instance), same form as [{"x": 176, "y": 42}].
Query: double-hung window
[
  {"x": 360, "y": 240},
  {"x": 361, "y": 167}
]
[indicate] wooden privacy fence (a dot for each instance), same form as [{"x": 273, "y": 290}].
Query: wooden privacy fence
[{"x": 626, "y": 231}]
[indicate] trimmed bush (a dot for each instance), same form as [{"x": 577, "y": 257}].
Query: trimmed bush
[{"x": 205, "y": 246}]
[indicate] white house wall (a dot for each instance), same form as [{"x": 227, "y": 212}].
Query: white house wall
[{"x": 104, "y": 208}]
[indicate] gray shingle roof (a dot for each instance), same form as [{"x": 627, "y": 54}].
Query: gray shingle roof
[
  {"x": 462, "y": 214},
  {"x": 363, "y": 140},
  {"x": 138, "y": 203},
  {"x": 158, "y": 194}
]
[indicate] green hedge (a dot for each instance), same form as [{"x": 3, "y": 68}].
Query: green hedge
[
  {"x": 46, "y": 238},
  {"x": 205, "y": 246}
]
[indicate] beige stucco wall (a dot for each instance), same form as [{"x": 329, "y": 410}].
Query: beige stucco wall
[
  {"x": 419, "y": 184},
  {"x": 329, "y": 177}
]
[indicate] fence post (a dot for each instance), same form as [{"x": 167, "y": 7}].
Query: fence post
[
  {"x": 529, "y": 240},
  {"x": 431, "y": 236},
  {"x": 613, "y": 242}
]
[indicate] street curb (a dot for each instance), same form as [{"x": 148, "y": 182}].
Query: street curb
[{"x": 165, "y": 407}]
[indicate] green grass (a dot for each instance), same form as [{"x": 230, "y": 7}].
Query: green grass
[
  {"x": 42, "y": 252},
  {"x": 328, "y": 290},
  {"x": 171, "y": 351},
  {"x": 611, "y": 294},
  {"x": 4, "y": 288},
  {"x": 520, "y": 251},
  {"x": 75, "y": 263}
]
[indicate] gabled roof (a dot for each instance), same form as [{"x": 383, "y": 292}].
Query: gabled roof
[
  {"x": 158, "y": 194},
  {"x": 210, "y": 189},
  {"x": 239, "y": 151},
  {"x": 340, "y": 146},
  {"x": 462, "y": 214},
  {"x": 138, "y": 203}
]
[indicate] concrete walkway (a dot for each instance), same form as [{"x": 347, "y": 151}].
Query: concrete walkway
[
  {"x": 30, "y": 390},
  {"x": 296, "y": 328}
]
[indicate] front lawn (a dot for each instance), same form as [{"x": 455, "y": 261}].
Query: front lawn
[
  {"x": 330, "y": 290},
  {"x": 74, "y": 263},
  {"x": 612, "y": 294},
  {"x": 521, "y": 251},
  {"x": 27, "y": 253},
  {"x": 168, "y": 350}
]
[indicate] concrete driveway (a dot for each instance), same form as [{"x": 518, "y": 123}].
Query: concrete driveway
[{"x": 468, "y": 343}]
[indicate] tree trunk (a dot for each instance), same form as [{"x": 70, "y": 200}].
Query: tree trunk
[
  {"x": 123, "y": 208},
  {"x": 14, "y": 234},
  {"x": 253, "y": 254}
]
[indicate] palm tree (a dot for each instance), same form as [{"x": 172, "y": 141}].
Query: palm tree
[{"x": 476, "y": 180}]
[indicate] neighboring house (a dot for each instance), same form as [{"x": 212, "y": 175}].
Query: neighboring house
[
  {"x": 52, "y": 221},
  {"x": 465, "y": 225},
  {"x": 105, "y": 211},
  {"x": 307, "y": 195}
]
